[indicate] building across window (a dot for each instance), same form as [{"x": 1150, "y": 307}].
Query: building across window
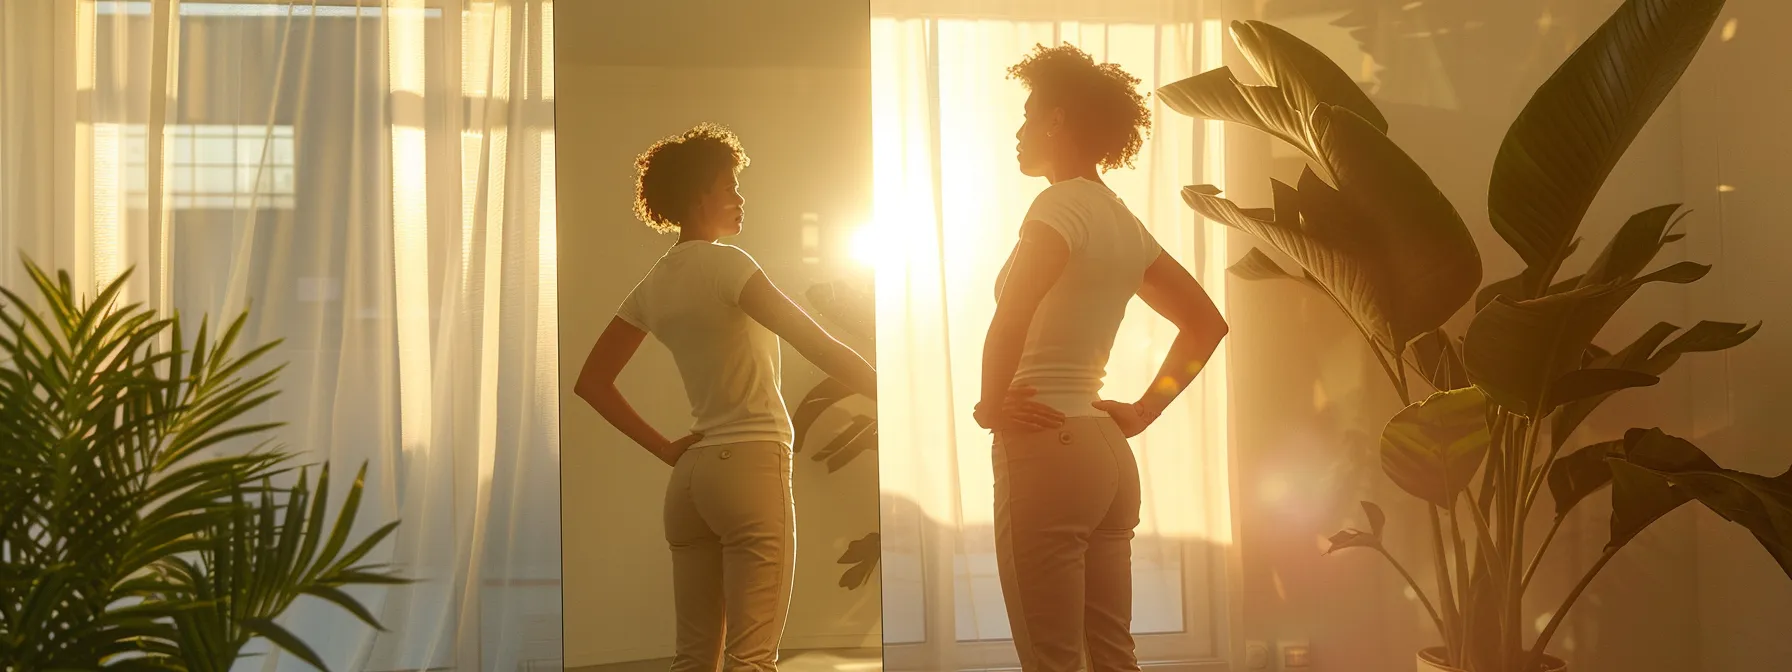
[{"x": 216, "y": 166}]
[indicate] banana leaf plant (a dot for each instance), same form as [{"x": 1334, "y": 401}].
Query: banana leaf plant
[
  {"x": 125, "y": 544},
  {"x": 849, "y": 305},
  {"x": 1368, "y": 228}
]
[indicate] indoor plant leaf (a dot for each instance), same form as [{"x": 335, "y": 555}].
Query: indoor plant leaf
[
  {"x": 1515, "y": 350},
  {"x": 1354, "y": 538},
  {"x": 1759, "y": 503},
  {"x": 1303, "y": 74},
  {"x": 1647, "y": 355},
  {"x": 1217, "y": 94},
  {"x": 1439, "y": 361},
  {"x": 1426, "y": 258},
  {"x": 1581, "y": 473},
  {"x": 1434, "y": 447},
  {"x": 1640, "y": 494},
  {"x": 1632, "y": 248},
  {"x": 1583, "y": 383},
  {"x": 1255, "y": 265},
  {"x": 1571, "y": 133}
]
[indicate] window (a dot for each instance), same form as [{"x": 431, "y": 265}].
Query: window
[{"x": 216, "y": 166}]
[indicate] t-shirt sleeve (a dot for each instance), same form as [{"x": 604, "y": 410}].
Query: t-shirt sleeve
[
  {"x": 630, "y": 310},
  {"x": 1057, "y": 209},
  {"x": 733, "y": 267}
]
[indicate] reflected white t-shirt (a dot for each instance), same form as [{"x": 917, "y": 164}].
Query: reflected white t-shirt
[
  {"x": 690, "y": 301},
  {"x": 1073, "y": 331}
]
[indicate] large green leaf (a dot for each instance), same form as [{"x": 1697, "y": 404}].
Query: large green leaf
[
  {"x": 1303, "y": 74},
  {"x": 1255, "y": 265},
  {"x": 1516, "y": 350},
  {"x": 1217, "y": 94},
  {"x": 1428, "y": 259},
  {"x": 1759, "y": 503},
  {"x": 1355, "y": 538},
  {"x": 1640, "y": 494},
  {"x": 1439, "y": 360},
  {"x": 1384, "y": 243},
  {"x": 1433, "y": 448},
  {"x": 1300, "y": 79},
  {"x": 1647, "y": 355},
  {"x": 1633, "y": 247},
  {"x": 1581, "y": 473},
  {"x": 1565, "y": 142}
]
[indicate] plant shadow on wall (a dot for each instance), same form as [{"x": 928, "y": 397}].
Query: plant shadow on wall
[
  {"x": 1369, "y": 229},
  {"x": 127, "y": 545},
  {"x": 849, "y": 305}
]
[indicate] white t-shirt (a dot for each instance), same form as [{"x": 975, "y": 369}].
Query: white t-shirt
[
  {"x": 1068, "y": 343},
  {"x": 690, "y": 301}
]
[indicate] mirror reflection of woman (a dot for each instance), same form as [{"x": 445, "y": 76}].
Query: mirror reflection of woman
[
  {"x": 1067, "y": 485},
  {"x": 729, "y": 516}
]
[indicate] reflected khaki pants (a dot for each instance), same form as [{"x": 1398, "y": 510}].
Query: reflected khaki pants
[
  {"x": 731, "y": 523},
  {"x": 1067, "y": 501}
]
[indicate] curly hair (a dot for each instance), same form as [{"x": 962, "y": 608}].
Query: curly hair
[
  {"x": 672, "y": 174},
  {"x": 1100, "y": 101}
]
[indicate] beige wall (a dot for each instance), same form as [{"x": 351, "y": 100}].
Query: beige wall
[
  {"x": 1694, "y": 592},
  {"x": 792, "y": 79}
]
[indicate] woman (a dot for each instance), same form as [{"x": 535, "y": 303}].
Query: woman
[
  {"x": 1067, "y": 486},
  {"x": 729, "y": 515}
]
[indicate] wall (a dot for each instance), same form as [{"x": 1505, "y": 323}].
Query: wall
[
  {"x": 792, "y": 79},
  {"x": 1735, "y": 102},
  {"x": 1451, "y": 75}
]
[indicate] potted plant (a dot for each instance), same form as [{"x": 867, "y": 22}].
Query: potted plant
[
  {"x": 1370, "y": 230},
  {"x": 850, "y": 305},
  {"x": 126, "y": 546}
]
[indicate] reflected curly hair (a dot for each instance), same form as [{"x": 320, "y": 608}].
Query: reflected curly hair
[
  {"x": 1100, "y": 101},
  {"x": 672, "y": 174}
]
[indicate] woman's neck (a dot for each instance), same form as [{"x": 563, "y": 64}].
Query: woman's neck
[
  {"x": 1088, "y": 172},
  {"x": 689, "y": 236}
]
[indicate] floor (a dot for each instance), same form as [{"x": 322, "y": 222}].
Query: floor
[{"x": 832, "y": 660}]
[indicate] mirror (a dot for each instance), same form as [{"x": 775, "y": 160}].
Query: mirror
[{"x": 679, "y": 563}]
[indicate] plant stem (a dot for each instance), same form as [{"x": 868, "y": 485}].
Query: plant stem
[
  {"x": 1555, "y": 620},
  {"x": 1435, "y": 619},
  {"x": 1463, "y": 578},
  {"x": 1538, "y": 558},
  {"x": 1536, "y": 485},
  {"x": 1446, "y": 594}
]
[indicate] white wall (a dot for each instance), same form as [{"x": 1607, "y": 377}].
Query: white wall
[
  {"x": 1694, "y": 592},
  {"x": 792, "y": 79}
]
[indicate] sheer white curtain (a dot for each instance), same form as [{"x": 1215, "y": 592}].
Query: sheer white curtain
[
  {"x": 949, "y": 200},
  {"x": 374, "y": 180}
]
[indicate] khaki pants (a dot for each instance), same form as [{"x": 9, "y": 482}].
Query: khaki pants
[
  {"x": 1067, "y": 501},
  {"x": 732, "y": 526}
]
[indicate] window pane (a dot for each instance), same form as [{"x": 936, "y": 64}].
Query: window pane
[
  {"x": 213, "y": 150},
  {"x": 211, "y": 180},
  {"x": 248, "y": 149},
  {"x": 180, "y": 148},
  {"x": 246, "y": 177},
  {"x": 180, "y": 180}
]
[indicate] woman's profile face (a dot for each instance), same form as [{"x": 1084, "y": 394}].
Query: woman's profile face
[
  {"x": 1036, "y": 147},
  {"x": 722, "y": 210}
]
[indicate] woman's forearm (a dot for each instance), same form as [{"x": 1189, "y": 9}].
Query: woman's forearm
[
  {"x": 1001, "y": 356},
  {"x": 608, "y": 401},
  {"x": 845, "y": 365},
  {"x": 1189, "y": 353}
]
